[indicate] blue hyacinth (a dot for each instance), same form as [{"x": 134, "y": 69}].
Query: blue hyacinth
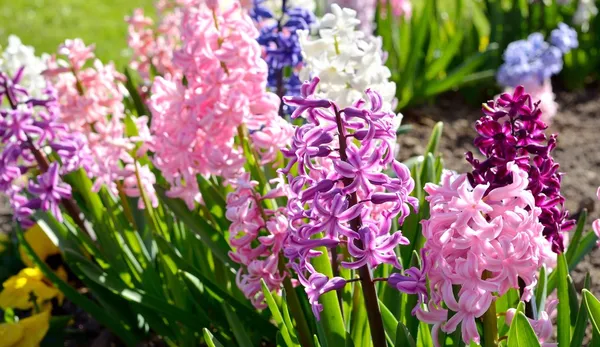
[
  {"x": 534, "y": 59},
  {"x": 283, "y": 53}
]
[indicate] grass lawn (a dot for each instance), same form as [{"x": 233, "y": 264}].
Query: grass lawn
[{"x": 44, "y": 24}]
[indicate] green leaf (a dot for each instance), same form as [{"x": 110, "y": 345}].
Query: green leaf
[
  {"x": 576, "y": 239},
  {"x": 210, "y": 340},
  {"x": 434, "y": 139},
  {"x": 403, "y": 337},
  {"x": 241, "y": 337},
  {"x": 521, "y": 333},
  {"x": 390, "y": 323},
  {"x": 208, "y": 235},
  {"x": 285, "y": 334},
  {"x": 593, "y": 308},
  {"x": 582, "y": 318},
  {"x": 541, "y": 290},
  {"x": 564, "y": 312},
  {"x": 440, "y": 64},
  {"x": 113, "y": 323}
]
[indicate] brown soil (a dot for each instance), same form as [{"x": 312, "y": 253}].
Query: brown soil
[{"x": 578, "y": 151}]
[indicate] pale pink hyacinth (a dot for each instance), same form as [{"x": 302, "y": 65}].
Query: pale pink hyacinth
[
  {"x": 544, "y": 94},
  {"x": 542, "y": 326},
  {"x": 91, "y": 103},
  {"x": 194, "y": 125},
  {"x": 596, "y": 223},
  {"x": 256, "y": 235},
  {"x": 400, "y": 8},
  {"x": 366, "y": 10},
  {"x": 153, "y": 44},
  {"x": 481, "y": 244}
]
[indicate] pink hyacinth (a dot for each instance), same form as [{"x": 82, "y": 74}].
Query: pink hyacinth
[
  {"x": 153, "y": 44},
  {"x": 194, "y": 125},
  {"x": 544, "y": 94},
  {"x": 91, "y": 104},
  {"x": 596, "y": 223},
  {"x": 482, "y": 245},
  {"x": 256, "y": 235}
]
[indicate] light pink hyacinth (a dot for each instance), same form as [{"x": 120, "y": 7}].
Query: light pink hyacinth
[
  {"x": 91, "y": 103},
  {"x": 256, "y": 235},
  {"x": 483, "y": 245},
  {"x": 195, "y": 125},
  {"x": 366, "y": 10},
  {"x": 596, "y": 223},
  {"x": 152, "y": 43}
]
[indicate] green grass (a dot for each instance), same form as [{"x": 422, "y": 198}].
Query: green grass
[{"x": 45, "y": 24}]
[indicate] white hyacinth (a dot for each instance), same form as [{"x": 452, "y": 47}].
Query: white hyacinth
[
  {"x": 346, "y": 61},
  {"x": 586, "y": 10},
  {"x": 17, "y": 55},
  {"x": 275, "y": 5}
]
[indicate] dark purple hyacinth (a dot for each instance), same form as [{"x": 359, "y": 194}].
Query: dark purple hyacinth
[
  {"x": 27, "y": 128},
  {"x": 512, "y": 130},
  {"x": 282, "y": 50}
]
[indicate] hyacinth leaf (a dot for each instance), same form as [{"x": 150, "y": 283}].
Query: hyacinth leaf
[
  {"x": 585, "y": 246},
  {"x": 390, "y": 323},
  {"x": 593, "y": 308},
  {"x": 573, "y": 301},
  {"x": 209, "y": 339},
  {"x": 139, "y": 105},
  {"x": 564, "y": 310},
  {"x": 283, "y": 328},
  {"x": 541, "y": 290},
  {"x": 424, "y": 338},
  {"x": 208, "y": 235},
  {"x": 441, "y": 63},
  {"x": 582, "y": 318},
  {"x": 359, "y": 326},
  {"x": 521, "y": 333},
  {"x": 403, "y": 337},
  {"x": 316, "y": 341},
  {"x": 577, "y": 235},
  {"x": 120, "y": 328},
  {"x": 241, "y": 337}
]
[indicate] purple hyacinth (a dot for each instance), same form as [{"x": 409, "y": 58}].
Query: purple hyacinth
[
  {"x": 512, "y": 130},
  {"x": 341, "y": 194},
  {"x": 27, "y": 127},
  {"x": 282, "y": 50},
  {"x": 534, "y": 60}
]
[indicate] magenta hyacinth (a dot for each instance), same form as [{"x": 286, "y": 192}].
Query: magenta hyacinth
[
  {"x": 512, "y": 131},
  {"x": 341, "y": 196}
]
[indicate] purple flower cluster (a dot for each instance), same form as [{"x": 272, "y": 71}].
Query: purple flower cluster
[
  {"x": 511, "y": 131},
  {"x": 282, "y": 50},
  {"x": 340, "y": 196},
  {"x": 535, "y": 60},
  {"x": 28, "y": 128}
]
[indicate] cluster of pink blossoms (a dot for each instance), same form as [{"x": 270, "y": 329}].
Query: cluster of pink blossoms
[
  {"x": 91, "y": 103},
  {"x": 596, "y": 223},
  {"x": 483, "y": 245},
  {"x": 257, "y": 235},
  {"x": 195, "y": 120},
  {"x": 153, "y": 44}
]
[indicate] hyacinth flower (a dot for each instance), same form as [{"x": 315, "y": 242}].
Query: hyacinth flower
[
  {"x": 91, "y": 104},
  {"x": 197, "y": 126},
  {"x": 347, "y": 61},
  {"x": 533, "y": 61},
  {"x": 340, "y": 198},
  {"x": 29, "y": 128},
  {"x": 492, "y": 229},
  {"x": 281, "y": 49}
]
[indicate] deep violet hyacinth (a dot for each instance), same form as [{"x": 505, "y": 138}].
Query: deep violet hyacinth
[
  {"x": 282, "y": 51},
  {"x": 511, "y": 130},
  {"x": 341, "y": 196},
  {"x": 27, "y": 126}
]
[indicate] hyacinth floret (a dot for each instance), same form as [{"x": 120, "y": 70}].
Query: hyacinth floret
[
  {"x": 512, "y": 131},
  {"x": 28, "y": 127},
  {"x": 341, "y": 196}
]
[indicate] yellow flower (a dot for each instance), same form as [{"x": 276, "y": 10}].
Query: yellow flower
[
  {"x": 17, "y": 290},
  {"x": 41, "y": 244},
  {"x": 27, "y": 332}
]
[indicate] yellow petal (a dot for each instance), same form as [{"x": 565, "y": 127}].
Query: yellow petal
[
  {"x": 10, "y": 334},
  {"x": 41, "y": 244},
  {"x": 17, "y": 289},
  {"x": 34, "y": 329}
]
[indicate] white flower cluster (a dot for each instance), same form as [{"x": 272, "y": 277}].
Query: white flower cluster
[
  {"x": 275, "y": 5},
  {"x": 346, "y": 61},
  {"x": 586, "y": 10},
  {"x": 17, "y": 55}
]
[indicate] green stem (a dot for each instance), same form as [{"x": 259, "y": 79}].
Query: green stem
[
  {"x": 490, "y": 323},
  {"x": 304, "y": 334}
]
